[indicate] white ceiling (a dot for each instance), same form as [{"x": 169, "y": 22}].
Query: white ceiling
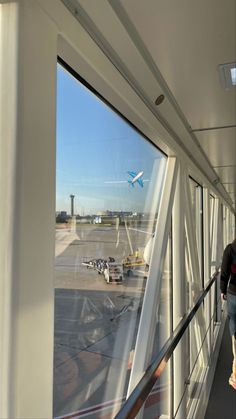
[
  {"x": 188, "y": 39},
  {"x": 180, "y": 44}
]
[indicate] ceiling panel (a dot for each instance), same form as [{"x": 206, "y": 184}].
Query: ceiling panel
[
  {"x": 219, "y": 145},
  {"x": 231, "y": 190},
  {"x": 186, "y": 40},
  {"x": 227, "y": 174}
]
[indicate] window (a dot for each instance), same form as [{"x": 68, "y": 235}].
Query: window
[{"x": 109, "y": 179}]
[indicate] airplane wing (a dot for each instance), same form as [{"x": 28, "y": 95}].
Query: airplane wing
[
  {"x": 133, "y": 174},
  {"x": 140, "y": 182}
]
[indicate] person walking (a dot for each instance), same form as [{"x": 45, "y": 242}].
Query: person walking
[{"x": 228, "y": 292}]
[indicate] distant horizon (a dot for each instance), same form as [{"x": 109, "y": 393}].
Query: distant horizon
[{"x": 99, "y": 213}]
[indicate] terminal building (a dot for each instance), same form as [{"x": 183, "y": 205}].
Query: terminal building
[{"x": 130, "y": 104}]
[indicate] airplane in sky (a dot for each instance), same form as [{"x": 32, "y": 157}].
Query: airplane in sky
[{"x": 137, "y": 177}]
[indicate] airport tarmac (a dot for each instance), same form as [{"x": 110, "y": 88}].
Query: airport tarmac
[
  {"x": 88, "y": 242},
  {"x": 95, "y": 323}
]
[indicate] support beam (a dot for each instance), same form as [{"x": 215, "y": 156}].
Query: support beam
[
  {"x": 9, "y": 15},
  {"x": 179, "y": 298},
  {"x": 32, "y": 308},
  {"x": 207, "y": 260},
  {"x": 153, "y": 287}
]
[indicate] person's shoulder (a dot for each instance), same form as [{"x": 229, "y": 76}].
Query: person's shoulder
[
  {"x": 233, "y": 246},
  {"x": 228, "y": 248},
  {"x": 231, "y": 249}
]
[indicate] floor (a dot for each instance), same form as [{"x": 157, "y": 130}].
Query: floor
[{"x": 222, "y": 401}]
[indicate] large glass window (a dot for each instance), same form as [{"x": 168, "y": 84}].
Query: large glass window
[{"x": 109, "y": 180}]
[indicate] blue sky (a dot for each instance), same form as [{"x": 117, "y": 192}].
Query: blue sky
[{"x": 96, "y": 147}]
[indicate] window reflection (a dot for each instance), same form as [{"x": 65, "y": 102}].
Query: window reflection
[
  {"x": 159, "y": 402},
  {"x": 109, "y": 180}
]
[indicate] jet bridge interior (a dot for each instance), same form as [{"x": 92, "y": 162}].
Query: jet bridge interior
[{"x": 92, "y": 91}]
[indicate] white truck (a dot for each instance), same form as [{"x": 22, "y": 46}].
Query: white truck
[{"x": 113, "y": 273}]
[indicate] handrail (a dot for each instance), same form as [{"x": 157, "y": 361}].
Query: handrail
[{"x": 138, "y": 396}]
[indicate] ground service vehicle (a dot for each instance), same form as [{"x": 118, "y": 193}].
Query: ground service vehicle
[{"x": 113, "y": 273}]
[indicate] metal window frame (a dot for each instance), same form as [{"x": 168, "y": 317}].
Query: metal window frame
[
  {"x": 206, "y": 261},
  {"x": 200, "y": 325},
  {"x": 152, "y": 293},
  {"x": 179, "y": 299}
]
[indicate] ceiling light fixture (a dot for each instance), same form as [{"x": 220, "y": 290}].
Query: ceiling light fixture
[
  {"x": 227, "y": 75},
  {"x": 233, "y": 76}
]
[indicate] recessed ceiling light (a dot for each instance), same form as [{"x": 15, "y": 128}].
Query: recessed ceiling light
[
  {"x": 227, "y": 75},
  {"x": 233, "y": 76}
]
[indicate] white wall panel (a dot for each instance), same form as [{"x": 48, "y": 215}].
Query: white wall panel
[{"x": 32, "y": 282}]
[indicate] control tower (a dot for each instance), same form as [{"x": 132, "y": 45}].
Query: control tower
[{"x": 72, "y": 197}]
